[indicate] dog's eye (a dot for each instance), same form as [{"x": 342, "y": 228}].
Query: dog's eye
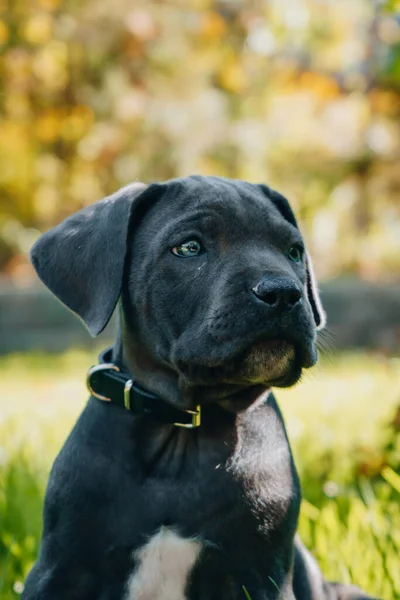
[
  {"x": 296, "y": 253},
  {"x": 189, "y": 248}
]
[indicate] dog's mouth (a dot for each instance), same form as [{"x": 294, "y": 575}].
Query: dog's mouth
[
  {"x": 266, "y": 361},
  {"x": 271, "y": 362}
]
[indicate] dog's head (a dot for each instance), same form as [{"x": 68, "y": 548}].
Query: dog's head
[{"x": 217, "y": 290}]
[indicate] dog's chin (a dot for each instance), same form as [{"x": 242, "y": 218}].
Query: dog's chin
[
  {"x": 238, "y": 379},
  {"x": 269, "y": 363},
  {"x": 241, "y": 379},
  {"x": 274, "y": 363}
]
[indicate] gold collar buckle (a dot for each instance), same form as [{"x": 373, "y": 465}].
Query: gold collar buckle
[{"x": 196, "y": 419}]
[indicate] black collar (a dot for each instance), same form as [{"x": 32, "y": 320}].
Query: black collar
[{"x": 108, "y": 383}]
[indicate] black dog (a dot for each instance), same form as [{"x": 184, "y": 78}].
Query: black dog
[{"x": 218, "y": 305}]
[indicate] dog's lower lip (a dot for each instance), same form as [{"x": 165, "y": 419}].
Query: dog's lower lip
[
  {"x": 275, "y": 345},
  {"x": 287, "y": 380}
]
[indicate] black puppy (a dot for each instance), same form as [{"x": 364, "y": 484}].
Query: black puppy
[{"x": 217, "y": 305}]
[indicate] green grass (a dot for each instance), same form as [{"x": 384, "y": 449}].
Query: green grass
[{"x": 337, "y": 420}]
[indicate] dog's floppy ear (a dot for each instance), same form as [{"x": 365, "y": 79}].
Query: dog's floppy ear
[
  {"x": 284, "y": 208},
  {"x": 82, "y": 259}
]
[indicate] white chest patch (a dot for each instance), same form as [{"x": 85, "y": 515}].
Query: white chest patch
[{"x": 162, "y": 567}]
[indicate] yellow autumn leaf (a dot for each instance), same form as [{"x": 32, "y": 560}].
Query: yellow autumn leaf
[
  {"x": 50, "y": 64},
  {"x": 4, "y": 34},
  {"x": 213, "y": 26},
  {"x": 321, "y": 85},
  {"x": 77, "y": 123},
  {"x": 47, "y": 127},
  {"x": 233, "y": 78},
  {"x": 38, "y": 29},
  {"x": 49, "y": 4}
]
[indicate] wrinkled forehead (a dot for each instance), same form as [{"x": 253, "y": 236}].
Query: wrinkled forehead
[{"x": 213, "y": 199}]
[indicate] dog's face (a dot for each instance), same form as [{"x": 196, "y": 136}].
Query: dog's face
[{"x": 217, "y": 288}]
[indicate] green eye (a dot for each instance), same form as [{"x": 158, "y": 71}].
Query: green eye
[
  {"x": 296, "y": 253},
  {"x": 187, "y": 249}
]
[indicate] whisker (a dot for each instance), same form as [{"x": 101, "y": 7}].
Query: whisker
[{"x": 326, "y": 333}]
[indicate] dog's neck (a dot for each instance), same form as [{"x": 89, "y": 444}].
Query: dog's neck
[
  {"x": 164, "y": 382},
  {"x": 117, "y": 349}
]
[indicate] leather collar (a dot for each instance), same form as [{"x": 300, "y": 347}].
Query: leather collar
[{"x": 108, "y": 383}]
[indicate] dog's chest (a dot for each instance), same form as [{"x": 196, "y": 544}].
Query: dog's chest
[{"x": 162, "y": 567}]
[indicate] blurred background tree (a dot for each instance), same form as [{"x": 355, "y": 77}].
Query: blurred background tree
[{"x": 302, "y": 94}]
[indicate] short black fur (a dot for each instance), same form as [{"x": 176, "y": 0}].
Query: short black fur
[{"x": 219, "y": 329}]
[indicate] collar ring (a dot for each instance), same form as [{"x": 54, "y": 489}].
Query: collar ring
[{"x": 96, "y": 369}]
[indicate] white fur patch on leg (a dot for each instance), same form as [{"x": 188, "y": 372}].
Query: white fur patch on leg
[{"x": 163, "y": 567}]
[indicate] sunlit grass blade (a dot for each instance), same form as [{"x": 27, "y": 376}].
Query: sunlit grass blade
[
  {"x": 391, "y": 477},
  {"x": 246, "y": 593}
]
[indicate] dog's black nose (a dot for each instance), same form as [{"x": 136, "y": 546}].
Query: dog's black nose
[{"x": 278, "y": 292}]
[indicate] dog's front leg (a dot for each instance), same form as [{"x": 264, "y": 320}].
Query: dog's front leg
[
  {"x": 62, "y": 576},
  {"x": 48, "y": 582}
]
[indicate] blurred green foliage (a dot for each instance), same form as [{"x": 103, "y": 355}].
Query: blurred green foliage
[
  {"x": 302, "y": 94},
  {"x": 340, "y": 424}
]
